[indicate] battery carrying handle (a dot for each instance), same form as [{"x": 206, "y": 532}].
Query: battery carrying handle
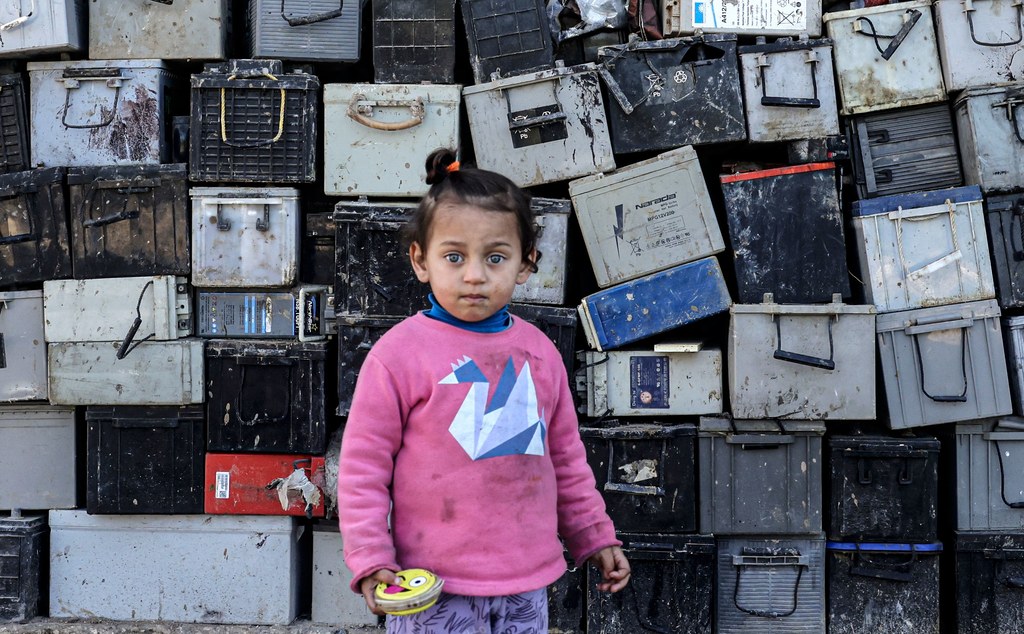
[
  {"x": 862, "y": 565},
  {"x": 20, "y": 20},
  {"x": 910, "y": 18},
  {"x": 360, "y": 110},
  {"x": 72, "y": 79},
  {"x": 1017, "y": 218},
  {"x": 766, "y": 559},
  {"x": 805, "y": 359},
  {"x": 126, "y": 346},
  {"x": 790, "y": 102},
  {"x": 969, "y": 10},
  {"x": 957, "y": 324},
  {"x": 311, "y": 18},
  {"x": 259, "y": 142},
  {"x": 22, "y": 192}
]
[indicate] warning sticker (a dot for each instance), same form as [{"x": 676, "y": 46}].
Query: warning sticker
[
  {"x": 648, "y": 382},
  {"x": 750, "y": 14},
  {"x": 222, "y": 489}
]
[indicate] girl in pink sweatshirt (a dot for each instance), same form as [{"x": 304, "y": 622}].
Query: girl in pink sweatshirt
[{"x": 461, "y": 453}]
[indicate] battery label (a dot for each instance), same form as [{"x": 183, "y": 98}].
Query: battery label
[
  {"x": 654, "y": 224},
  {"x": 648, "y": 382},
  {"x": 750, "y": 14},
  {"x": 222, "y": 490}
]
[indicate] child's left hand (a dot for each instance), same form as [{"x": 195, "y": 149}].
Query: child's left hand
[{"x": 611, "y": 561}]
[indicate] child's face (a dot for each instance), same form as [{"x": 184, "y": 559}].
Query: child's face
[{"x": 473, "y": 260}]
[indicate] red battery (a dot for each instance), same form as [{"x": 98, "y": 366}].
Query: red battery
[{"x": 251, "y": 484}]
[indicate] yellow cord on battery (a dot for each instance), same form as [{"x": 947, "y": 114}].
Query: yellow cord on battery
[{"x": 223, "y": 123}]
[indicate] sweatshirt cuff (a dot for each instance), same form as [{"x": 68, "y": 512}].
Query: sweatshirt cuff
[
  {"x": 585, "y": 542},
  {"x": 365, "y": 561}
]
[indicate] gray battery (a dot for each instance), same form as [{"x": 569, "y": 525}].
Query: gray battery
[
  {"x": 541, "y": 127},
  {"x": 22, "y": 351},
  {"x": 670, "y": 380},
  {"x": 747, "y": 17},
  {"x": 367, "y": 125},
  {"x": 105, "y": 309},
  {"x": 307, "y": 30},
  {"x": 153, "y": 373},
  {"x": 943, "y": 364},
  {"x": 36, "y": 27},
  {"x": 772, "y": 585},
  {"x": 547, "y": 285},
  {"x": 186, "y": 553},
  {"x": 790, "y": 90},
  {"x": 760, "y": 476},
  {"x": 979, "y": 41},
  {"x": 93, "y": 112},
  {"x": 254, "y": 313},
  {"x": 38, "y": 452},
  {"x": 810, "y": 362},
  {"x": 143, "y": 29},
  {"x": 1014, "y": 331},
  {"x": 332, "y": 601},
  {"x": 245, "y": 236},
  {"x": 991, "y": 136},
  {"x": 990, "y": 475},
  {"x": 886, "y": 56},
  {"x": 646, "y": 217}
]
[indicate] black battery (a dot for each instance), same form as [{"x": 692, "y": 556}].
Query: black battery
[
  {"x": 34, "y": 244},
  {"x": 266, "y": 396},
  {"x": 145, "y": 459},
  {"x": 21, "y": 562}
]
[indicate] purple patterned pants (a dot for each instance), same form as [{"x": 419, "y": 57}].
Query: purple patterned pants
[{"x": 525, "y": 613}]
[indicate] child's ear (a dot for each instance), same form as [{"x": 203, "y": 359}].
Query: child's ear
[
  {"x": 416, "y": 256},
  {"x": 525, "y": 270}
]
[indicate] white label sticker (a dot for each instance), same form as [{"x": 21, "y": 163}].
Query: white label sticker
[
  {"x": 750, "y": 14},
  {"x": 222, "y": 491}
]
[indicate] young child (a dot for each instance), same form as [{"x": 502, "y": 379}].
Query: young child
[{"x": 462, "y": 426}]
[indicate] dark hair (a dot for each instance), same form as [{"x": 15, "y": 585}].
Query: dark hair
[{"x": 470, "y": 186}]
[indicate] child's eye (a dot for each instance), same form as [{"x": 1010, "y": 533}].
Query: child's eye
[
  {"x": 496, "y": 258},
  {"x": 454, "y": 258}
]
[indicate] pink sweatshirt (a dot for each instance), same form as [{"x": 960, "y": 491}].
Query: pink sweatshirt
[{"x": 473, "y": 437}]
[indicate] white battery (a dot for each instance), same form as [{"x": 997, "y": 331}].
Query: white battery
[
  {"x": 22, "y": 351},
  {"x": 789, "y": 89},
  {"x": 237, "y": 569},
  {"x": 923, "y": 249},
  {"x": 747, "y": 17},
  {"x": 886, "y": 57},
  {"x": 106, "y": 309},
  {"x": 153, "y": 373},
  {"x": 245, "y": 236},
  {"x": 802, "y": 362},
  {"x": 547, "y": 285},
  {"x": 980, "y": 41},
  {"x": 943, "y": 364},
  {"x": 88, "y": 112},
  {"x": 366, "y": 126},
  {"x": 35, "y": 27},
  {"x": 990, "y": 134},
  {"x": 144, "y": 29},
  {"x": 333, "y": 603},
  {"x": 541, "y": 127},
  {"x": 37, "y": 457},
  {"x": 670, "y": 380},
  {"x": 646, "y": 217}
]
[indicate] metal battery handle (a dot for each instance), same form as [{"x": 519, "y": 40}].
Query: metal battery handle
[
  {"x": 19, "y": 20},
  {"x": 960, "y": 324},
  {"x": 312, "y": 18},
  {"x": 759, "y": 441},
  {"x": 995, "y": 438},
  {"x": 30, "y": 205},
  {"x": 790, "y": 102},
  {"x": 767, "y": 558},
  {"x": 904, "y": 477},
  {"x": 72, "y": 79},
  {"x": 1012, "y": 104},
  {"x": 1017, "y": 217},
  {"x": 910, "y": 18},
  {"x": 969, "y": 9},
  {"x": 528, "y": 122},
  {"x": 124, "y": 187},
  {"x": 861, "y": 566},
  {"x": 262, "y": 224},
  {"x": 269, "y": 420},
  {"x": 804, "y": 359},
  {"x": 362, "y": 113}
]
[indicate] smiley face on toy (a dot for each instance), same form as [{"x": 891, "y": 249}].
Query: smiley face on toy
[{"x": 416, "y": 590}]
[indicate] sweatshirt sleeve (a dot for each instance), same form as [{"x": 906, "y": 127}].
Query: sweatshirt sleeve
[
  {"x": 372, "y": 437},
  {"x": 582, "y": 519}
]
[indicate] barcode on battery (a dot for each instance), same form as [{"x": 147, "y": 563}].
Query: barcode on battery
[{"x": 223, "y": 487}]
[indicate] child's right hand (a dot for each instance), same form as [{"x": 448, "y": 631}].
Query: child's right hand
[{"x": 369, "y": 583}]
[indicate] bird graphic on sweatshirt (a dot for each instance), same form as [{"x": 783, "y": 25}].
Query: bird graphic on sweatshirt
[{"x": 507, "y": 424}]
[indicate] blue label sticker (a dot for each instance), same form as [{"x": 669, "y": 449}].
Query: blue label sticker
[
  {"x": 648, "y": 382},
  {"x": 698, "y": 13}
]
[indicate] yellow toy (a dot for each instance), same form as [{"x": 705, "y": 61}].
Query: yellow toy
[{"x": 416, "y": 590}]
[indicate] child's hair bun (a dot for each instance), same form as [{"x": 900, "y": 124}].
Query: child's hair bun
[{"x": 437, "y": 164}]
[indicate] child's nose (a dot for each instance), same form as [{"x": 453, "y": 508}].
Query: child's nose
[{"x": 475, "y": 271}]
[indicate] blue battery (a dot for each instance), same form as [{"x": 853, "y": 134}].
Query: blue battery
[{"x": 653, "y": 304}]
